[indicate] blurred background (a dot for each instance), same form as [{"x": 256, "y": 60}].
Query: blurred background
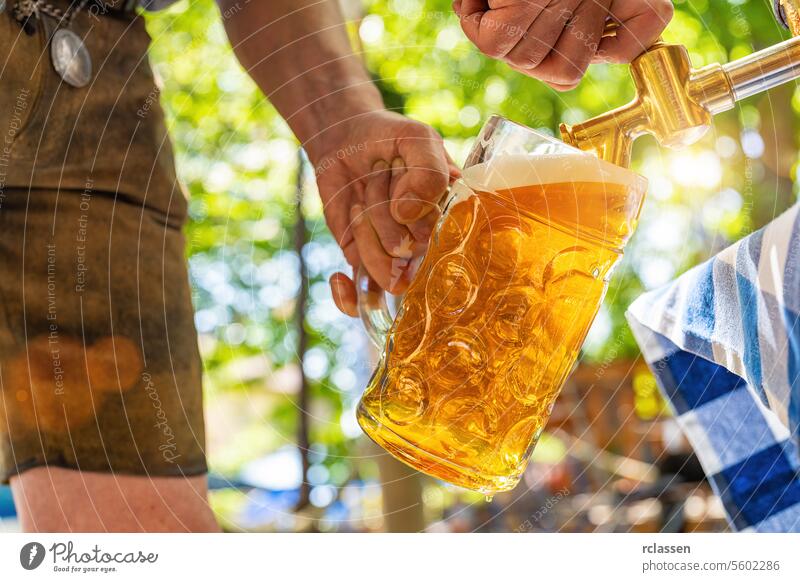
[{"x": 284, "y": 369}]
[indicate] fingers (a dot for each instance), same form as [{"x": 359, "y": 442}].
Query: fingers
[
  {"x": 369, "y": 235},
  {"x": 395, "y": 238},
  {"x": 560, "y": 87},
  {"x": 423, "y": 229},
  {"x": 385, "y": 247},
  {"x": 555, "y": 41},
  {"x": 390, "y": 273},
  {"x": 344, "y": 295},
  {"x": 497, "y": 27},
  {"x": 453, "y": 170},
  {"x": 338, "y": 193},
  {"x": 418, "y": 189},
  {"x": 541, "y": 37},
  {"x": 577, "y": 45},
  {"x": 641, "y": 23},
  {"x": 556, "y": 86},
  {"x": 350, "y": 251}
]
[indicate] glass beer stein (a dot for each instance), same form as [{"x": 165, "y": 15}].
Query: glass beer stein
[{"x": 493, "y": 321}]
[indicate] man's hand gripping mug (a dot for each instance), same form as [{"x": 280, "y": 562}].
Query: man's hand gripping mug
[{"x": 493, "y": 321}]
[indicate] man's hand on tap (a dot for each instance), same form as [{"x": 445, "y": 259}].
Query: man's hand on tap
[{"x": 556, "y": 40}]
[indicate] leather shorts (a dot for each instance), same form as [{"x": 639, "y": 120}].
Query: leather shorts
[{"x": 99, "y": 364}]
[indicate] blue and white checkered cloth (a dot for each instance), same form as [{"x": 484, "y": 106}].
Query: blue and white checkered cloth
[{"x": 723, "y": 341}]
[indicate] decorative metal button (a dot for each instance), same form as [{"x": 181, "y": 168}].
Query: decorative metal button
[{"x": 70, "y": 58}]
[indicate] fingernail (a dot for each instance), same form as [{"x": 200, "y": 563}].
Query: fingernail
[
  {"x": 379, "y": 166},
  {"x": 410, "y": 208}
]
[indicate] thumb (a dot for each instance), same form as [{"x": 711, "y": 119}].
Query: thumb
[{"x": 425, "y": 179}]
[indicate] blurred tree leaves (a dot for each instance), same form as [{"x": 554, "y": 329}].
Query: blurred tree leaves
[{"x": 238, "y": 159}]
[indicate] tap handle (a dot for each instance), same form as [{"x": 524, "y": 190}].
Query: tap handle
[
  {"x": 787, "y": 13},
  {"x": 612, "y": 26},
  {"x": 780, "y": 15}
]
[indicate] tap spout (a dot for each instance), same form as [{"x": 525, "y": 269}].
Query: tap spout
[
  {"x": 675, "y": 103},
  {"x": 665, "y": 106},
  {"x": 609, "y": 136}
]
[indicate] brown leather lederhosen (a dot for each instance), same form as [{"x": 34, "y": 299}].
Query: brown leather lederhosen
[{"x": 99, "y": 365}]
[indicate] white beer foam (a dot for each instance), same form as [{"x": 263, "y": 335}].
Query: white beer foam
[{"x": 515, "y": 170}]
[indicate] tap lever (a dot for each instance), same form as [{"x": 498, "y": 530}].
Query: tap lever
[
  {"x": 787, "y": 13},
  {"x": 675, "y": 102},
  {"x": 780, "y": 15}
]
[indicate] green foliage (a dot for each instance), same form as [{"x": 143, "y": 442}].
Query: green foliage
[{"x": 240, "y": 163}]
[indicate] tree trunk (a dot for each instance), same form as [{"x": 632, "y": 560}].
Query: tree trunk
[
  {"x": 300, "y": 235},
  {"x": 401, "y": 488},
  {"x": 780, "y": 154}
]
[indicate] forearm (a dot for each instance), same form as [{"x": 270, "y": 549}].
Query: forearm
[{"x": 298, "y": 53}]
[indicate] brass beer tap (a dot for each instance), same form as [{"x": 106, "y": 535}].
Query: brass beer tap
[{"x": 675, "y": 102}]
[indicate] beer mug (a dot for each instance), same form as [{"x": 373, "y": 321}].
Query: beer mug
[{"x": 493, "y": 321}]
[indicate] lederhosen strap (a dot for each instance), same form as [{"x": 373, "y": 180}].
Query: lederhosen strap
[{"x": 116, "y": 8}]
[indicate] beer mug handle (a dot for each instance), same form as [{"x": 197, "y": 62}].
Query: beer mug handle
[{"x": 372, "y": 308}]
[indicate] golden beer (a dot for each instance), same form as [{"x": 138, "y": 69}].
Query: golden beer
[{"x": 494, "y": 320}]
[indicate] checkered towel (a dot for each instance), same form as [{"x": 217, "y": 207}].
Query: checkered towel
[{"x": 723, "y": 341}]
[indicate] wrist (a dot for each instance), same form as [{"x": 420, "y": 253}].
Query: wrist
[{"x": 324, "y": 124}]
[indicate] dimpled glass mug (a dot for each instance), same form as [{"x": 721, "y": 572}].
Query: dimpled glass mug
[{"x": 493, "y": 321}]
